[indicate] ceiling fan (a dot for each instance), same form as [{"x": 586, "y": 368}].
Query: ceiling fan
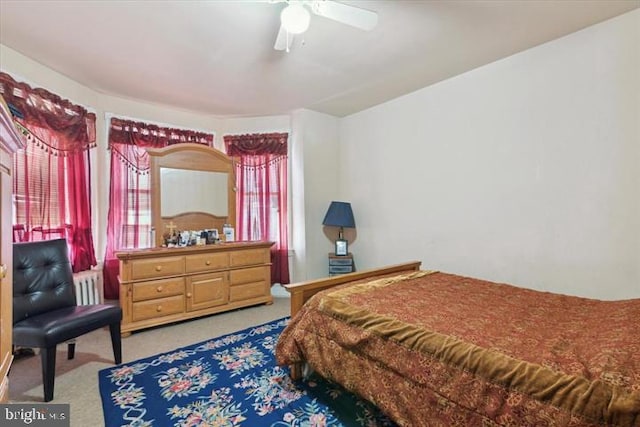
[{"x": 295, "y": 18}]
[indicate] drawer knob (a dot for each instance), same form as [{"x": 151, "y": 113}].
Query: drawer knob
[
  {"x": 159, "y": 308},
  {"x": 158, "y": 268},
  {"x": 208, "y": 262},
  {"x": 189, "y": 295},
  {"x": 159, "y": 288},
  {"x": 3, "y": 271}
]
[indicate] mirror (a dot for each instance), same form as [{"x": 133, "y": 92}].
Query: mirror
[
  {"x": 207, "y": 192},
  {"x": 192, "y": 188}
]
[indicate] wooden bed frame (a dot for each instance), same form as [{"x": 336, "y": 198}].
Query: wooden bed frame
[{"x": 301, "y": 292}]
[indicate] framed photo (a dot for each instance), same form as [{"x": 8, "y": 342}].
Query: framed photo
[{"x": 341, "y": 247}]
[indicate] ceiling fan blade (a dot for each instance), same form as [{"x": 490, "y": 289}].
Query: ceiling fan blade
[
  {"x": 284, "y": 40},
  {"x": 355, "y": 16}
]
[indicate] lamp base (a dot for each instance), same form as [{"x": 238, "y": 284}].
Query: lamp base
[{"x": 342, "y": 247}]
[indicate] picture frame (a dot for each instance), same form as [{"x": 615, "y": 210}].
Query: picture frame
[{"x": 342, "y": 247}]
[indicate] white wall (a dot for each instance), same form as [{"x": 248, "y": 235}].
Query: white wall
[
  {"x": 315, "y": 182},
  {"x": 526, "y": 170}
]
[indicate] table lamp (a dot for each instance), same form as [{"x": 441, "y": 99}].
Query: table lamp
[{"x": 340, "y": 215}]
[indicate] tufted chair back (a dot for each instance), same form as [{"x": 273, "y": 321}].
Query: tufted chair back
[{"x": 42, "y": 278}]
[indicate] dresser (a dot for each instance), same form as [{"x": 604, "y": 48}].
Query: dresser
[
  {"x": 165, "y": 285},
  {"x": 10, "y": 142}
]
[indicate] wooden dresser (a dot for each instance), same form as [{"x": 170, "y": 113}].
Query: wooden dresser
[
  {"x": 160, "y": 285},
  {"x": 10, "y": 142}
]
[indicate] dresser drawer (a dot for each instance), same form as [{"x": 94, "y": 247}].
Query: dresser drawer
[
  {"x": 248, "y": 257},
  {"x": 157, "y": 308},
  {"x": 206, "y": 262},
  {"x": 340, "y": 261},
  {"x": 339, "y": 269},
  {"x": 158, "y": 267},
  {"x": 158, "y": 289},
  {"x": 248, "y": 275},
  {"x": 247, "y": 291}
]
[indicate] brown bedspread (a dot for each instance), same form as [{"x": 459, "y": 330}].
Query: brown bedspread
[{"x": 433, "y": 348}]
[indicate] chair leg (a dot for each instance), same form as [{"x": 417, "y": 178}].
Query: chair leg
[
  {"x": 48, "y": 357},
  {"x": 116, "y": 342},
  {"x": 71, "y": 350}
]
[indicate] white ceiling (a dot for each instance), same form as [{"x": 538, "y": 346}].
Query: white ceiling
[{"x": 217, "y": 56}]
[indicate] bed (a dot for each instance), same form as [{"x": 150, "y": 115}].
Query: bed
[{"x": 432, "y": 348}]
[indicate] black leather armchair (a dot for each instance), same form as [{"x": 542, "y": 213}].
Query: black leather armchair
[{"x": 44, "y": 306}]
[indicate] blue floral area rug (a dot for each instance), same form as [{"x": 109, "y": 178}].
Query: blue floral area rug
[{"x": 227, "y": 381}]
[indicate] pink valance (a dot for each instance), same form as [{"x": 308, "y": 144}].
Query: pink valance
[
  {"x": 56, "y": 125},
  {"x": 256, "y": 144},
  {"x": 129, "y": 140}
]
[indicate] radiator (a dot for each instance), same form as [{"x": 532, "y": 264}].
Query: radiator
[{"x": 88, "y": 287}]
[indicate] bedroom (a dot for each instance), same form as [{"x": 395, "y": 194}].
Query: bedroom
[{"x": 525, "y": 170}]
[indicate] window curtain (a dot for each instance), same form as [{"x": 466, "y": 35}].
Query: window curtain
[
  {"x": 261, "y": 201},
  {"x": 52, "y": 174},
  {"x": 129, "y": 217}
]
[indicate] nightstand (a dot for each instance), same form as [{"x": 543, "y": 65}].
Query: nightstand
[{"x": 340, "y": 264}]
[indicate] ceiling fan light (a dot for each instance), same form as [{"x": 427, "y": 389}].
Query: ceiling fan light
[{"x": 295, "y": 18}]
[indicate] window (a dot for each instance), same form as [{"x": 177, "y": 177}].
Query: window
[
  {"x": 51, "y": 175},
  {"x": 260, "y": 207},
  {"x": 261, "y": 179},
  {"x": 136, "y": 228},
  {"x": 36, "y": 199}
]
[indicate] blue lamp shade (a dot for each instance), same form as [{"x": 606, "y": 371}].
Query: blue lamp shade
[{"x": 339, "y": 215}]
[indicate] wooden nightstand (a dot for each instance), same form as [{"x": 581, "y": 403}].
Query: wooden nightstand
[{"x": 340, "y": 264}]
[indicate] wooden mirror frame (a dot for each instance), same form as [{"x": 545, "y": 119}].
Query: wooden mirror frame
[{"x": 196, "y": 157}]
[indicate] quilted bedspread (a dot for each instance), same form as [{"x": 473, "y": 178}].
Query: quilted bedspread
[{"x": 432, "y": 348}]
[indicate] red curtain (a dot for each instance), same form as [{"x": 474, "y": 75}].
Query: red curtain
[
  {"x": 52, "y": 174},
  {"x": 129, "y": 217},
  {"x": 261, "y": 202}
]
